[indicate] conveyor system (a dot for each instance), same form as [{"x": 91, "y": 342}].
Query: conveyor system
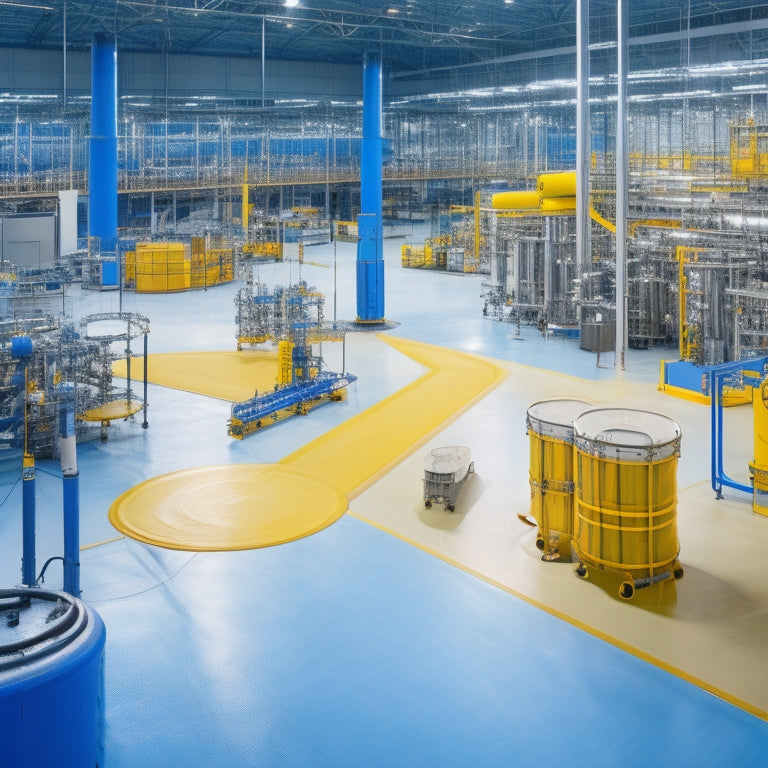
[{"x": 297, "y": 398}]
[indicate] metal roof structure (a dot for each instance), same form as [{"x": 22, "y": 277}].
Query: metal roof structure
[{"x": 413, "y": 36}]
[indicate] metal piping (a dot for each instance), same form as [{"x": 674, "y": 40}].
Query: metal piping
[{"x": 622, "y": 172}]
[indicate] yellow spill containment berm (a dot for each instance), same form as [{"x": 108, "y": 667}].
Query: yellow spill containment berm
[
  {"x": 549, "y": 424},
  {"x": 625, "y": 496}
]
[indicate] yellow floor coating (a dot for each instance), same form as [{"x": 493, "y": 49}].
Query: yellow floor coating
[
  {"x": 117, "y": 409},
  {"x": 245, "y": 506},
  {"x": 359, "y": 451},
  {"x": 227, "y": 507},
  {"x": 233, "y": 376},
  {"x": 710, "y": 628}
]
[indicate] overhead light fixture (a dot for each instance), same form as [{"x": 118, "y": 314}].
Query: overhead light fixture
[
  {"x": 393, "y": 11},
  {"x": 291, "y": 3},
  {"x": 27, "y": 5}
]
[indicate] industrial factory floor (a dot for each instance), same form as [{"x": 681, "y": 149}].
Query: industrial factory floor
[{"x": 399, "y": 635}]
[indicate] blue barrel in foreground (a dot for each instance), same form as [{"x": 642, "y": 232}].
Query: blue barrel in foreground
[{"x": 51, "y": 680}]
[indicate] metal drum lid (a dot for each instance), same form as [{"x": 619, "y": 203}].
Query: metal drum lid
[
  {"x": 35, "y": 623},
  {"x": 448, "y": 461},
  {"x": 627, "y": 434},
  {"x": 554, "y": 418}
]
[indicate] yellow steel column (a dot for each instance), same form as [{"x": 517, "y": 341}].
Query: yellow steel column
[{"x": 245, "y": 207}]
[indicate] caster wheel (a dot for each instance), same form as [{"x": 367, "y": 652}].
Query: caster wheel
[
  {"x": 678, "y": 573},
  {"x": 581, "y": 571},
  {"x": 428, "y": 504},
  {"x": 450, "y": 507},
  {"x": 539, "y": 543},
  {"x": 627, "y": 590}
]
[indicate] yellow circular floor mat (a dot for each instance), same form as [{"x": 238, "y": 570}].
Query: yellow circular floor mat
[{"x": 234, "y": 506}]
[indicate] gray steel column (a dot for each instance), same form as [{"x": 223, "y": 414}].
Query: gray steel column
[
  {"x": 263, "y": 57},
  {"x": 583, "y": 138},
  {"x": 622, "y": 175}
]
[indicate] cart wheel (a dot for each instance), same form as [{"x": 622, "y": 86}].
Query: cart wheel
[
  {"x": 450, "y": 507},
  {"x": 471, "y": 467},
  {"x": 678, "y": 572},
  {"x": 582, "y": 572},
  {"x": 540, "y": 543},
  {"x": 428, "y": 504},
  {"x": 627, "y": 590}
]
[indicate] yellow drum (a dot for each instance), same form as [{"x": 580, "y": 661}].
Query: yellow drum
[
  {"x": 550, "y": 429},
  {"x": 625, "y": 496}
]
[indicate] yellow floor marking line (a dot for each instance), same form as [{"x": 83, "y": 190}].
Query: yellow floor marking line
[
  {"x": 233, "y": 376},
  {"x": 101, "y": 543},
  {"x": 626, "y": 647},
  {"x": 242, "y": 506}
]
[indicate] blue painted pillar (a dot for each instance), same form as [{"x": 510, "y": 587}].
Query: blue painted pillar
[
  {"x": 70, "y": 497},
  {"x": 21, "y": 350},
  {"x": 28, "y": 567},
  {"x": 102, "y": 157},
  {"x": 370, "y": 246}
]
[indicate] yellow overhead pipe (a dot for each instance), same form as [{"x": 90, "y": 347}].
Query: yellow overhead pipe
[
  {"x": 603, "y": 222},
  {"x": 662, "y": 223},
  {"x": 519, "y": 201},
  {"x": 557, "y": 185}
]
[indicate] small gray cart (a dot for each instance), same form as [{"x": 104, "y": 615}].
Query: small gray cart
[{"x": 445, "y": 472}]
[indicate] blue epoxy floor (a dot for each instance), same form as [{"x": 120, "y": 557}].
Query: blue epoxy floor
[{"x": 350, "y": 647}]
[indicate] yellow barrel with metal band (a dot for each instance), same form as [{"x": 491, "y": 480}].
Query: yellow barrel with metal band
[
  {"x": 625, "y": 496},
  {"x": 549, "y": 425}
]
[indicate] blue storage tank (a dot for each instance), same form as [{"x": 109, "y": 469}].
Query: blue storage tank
[
  {"x": 51, "y": 680},
  {"x": 21, "y": 346}
]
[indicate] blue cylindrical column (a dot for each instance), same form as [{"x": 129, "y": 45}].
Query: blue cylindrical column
[
  {"x": 370, "y": 247},
  {"x": 102, "y": 159},
  {"x": 71, "y": 498},
  {"x": 28, "y": 566},
  {"x": 72, "y": 534}
]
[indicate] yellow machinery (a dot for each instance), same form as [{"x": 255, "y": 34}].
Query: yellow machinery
[
  {"x": 759, "y": 467},
  {"x": 423, "y": 257},
  {"x": 209, "y": 267},
  {"x": 346, "y": 231},
  {"x": 269, "y": 249},
  {"x": 457, "y": 251},
  {"x": 749, "y": 149},
  {"x": 158, "y": 267},
  {"x": 284, "y": 363},
  {"x": 168, "y": 267},
  {"x": 625, "y": 496},
  {"x": 549, "y": 425}
]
